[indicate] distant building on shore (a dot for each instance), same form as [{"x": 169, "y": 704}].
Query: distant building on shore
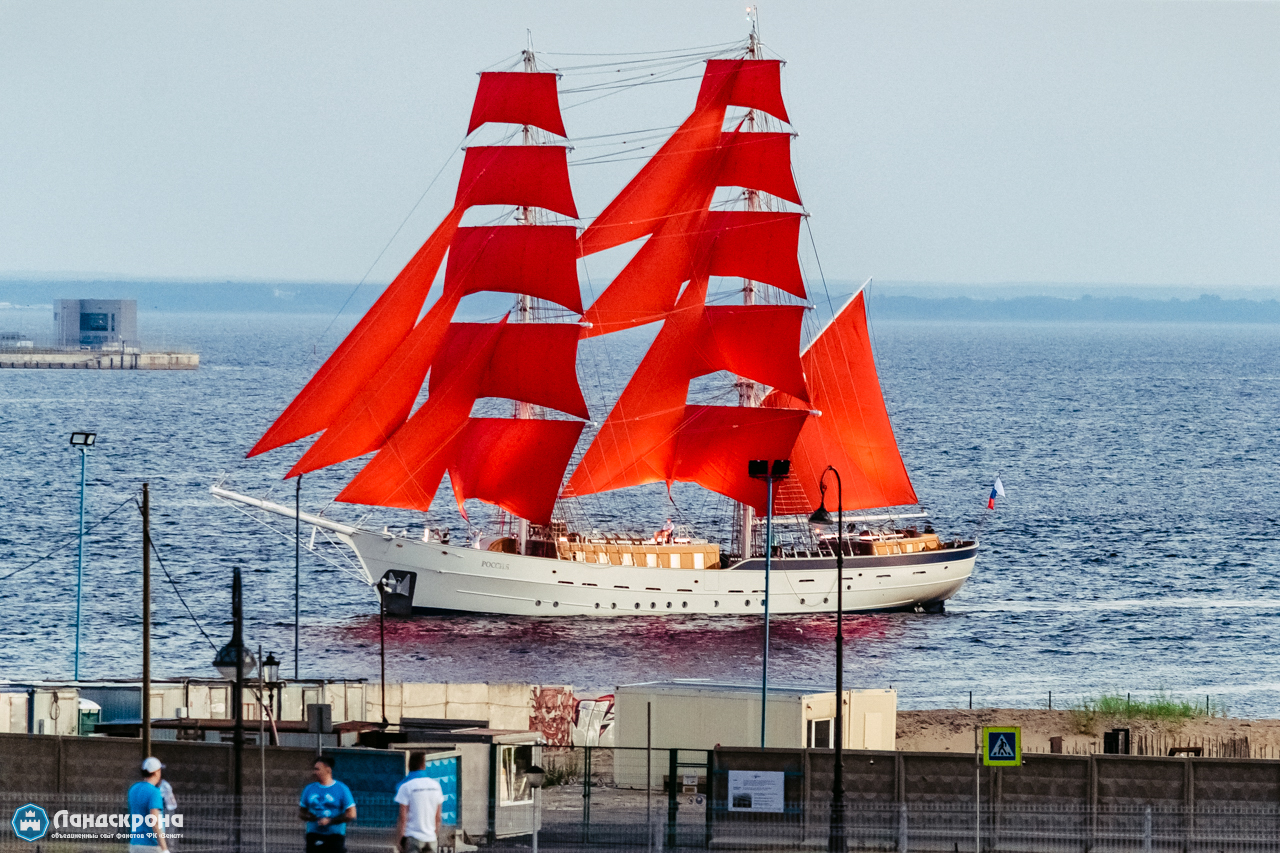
[
  {"x": 98, "y": 324},
  {"x": 91, "y": 334}
]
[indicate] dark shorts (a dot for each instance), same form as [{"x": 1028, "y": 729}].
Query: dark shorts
[
  {"x": 326, "y": 842},
  {"x": 409, "y": 844}
]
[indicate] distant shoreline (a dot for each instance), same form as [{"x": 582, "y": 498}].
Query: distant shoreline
[
  {"x": 886, "y": 301},
  {"x": 1085, "y": 309}
]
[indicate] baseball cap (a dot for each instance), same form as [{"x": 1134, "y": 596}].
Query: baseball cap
[{"x": 151, "y": 765}]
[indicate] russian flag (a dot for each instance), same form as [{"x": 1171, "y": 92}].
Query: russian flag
[{"x": 997, "y": 489}]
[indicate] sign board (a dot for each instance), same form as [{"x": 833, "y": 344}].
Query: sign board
[
  {"x": 1002, "y": 746},
  {"x": 320, "y": 718},
  {"x": 444, "y": 768},
  {"x": 756, "y": 791}
]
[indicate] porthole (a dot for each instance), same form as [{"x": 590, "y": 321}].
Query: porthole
[
  {"x": 684, "y": 604},
  {"x": 555, "y": 604},
  {"x": 802, "y": 601},
  {"x": 597, "y": 605},
  {"x": 668, "y": 605},
  {"x": 613, "y": 606},
  {"x": 653, "y": 605},
  {"x": 824, "y": 601},
  {"x": 717, "y": 604},
  {"x": 538, "y": 603},
  {"x": 637, "y": 605},
  {"x": 747, "y": 602}
]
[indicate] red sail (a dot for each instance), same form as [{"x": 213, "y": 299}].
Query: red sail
[
  {"x": 538, "y": 260},
  {"x": 651, "y": 428},
  {"x": 757, "y": 245},
  {"x": 518, "y": 97},
  {"x": 516, "y": 464},
  {"x": 646, "y": 289},
  {"x": 532, "y": 362},
  {"x": 385, "y": 401},
  {"x": 752, "y": 83},
  {"x": 408, "y": 469},
  {"x": 758, "y": 161},
  {"x": 522, "y": 175},
  {"x": 673, "y": 182},
  {"x": 853, "y": 433},
  {"x": 368, "y": 346},
  {"x": 754, "y": 342},
  {"x": 715, "y": 443}
]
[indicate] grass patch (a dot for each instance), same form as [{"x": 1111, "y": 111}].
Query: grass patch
[
  {"x": 1160, "y": 707},
  {"x": 562, "y": 770}
]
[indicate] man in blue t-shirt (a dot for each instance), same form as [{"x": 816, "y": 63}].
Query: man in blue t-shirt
[
  {"x": 327, "y": 806},
  {"x": 146, "y": 811}
]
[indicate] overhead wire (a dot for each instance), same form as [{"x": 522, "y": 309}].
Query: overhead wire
[
  {"x": 66, "y": 542},
  {"x": 151, "y": 543}
]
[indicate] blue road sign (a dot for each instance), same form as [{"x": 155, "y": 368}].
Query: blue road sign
[{"x": 1002, "y": 746}]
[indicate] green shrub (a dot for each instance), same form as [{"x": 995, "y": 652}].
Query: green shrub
[{"x": 1159, "y": 707}]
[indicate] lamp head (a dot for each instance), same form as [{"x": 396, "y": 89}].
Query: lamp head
[
  {"x": 83, "y": 439},
  {"x": 758, "y": 469},
  {"x": 821, "y": 516},
  {"x": 270, "y": 668},
  {"x": 536, "y": 775},
  {"x": 225, "y": 662}
]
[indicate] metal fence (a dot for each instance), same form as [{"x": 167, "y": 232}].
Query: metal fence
[
  {"x": 601, "y": 799},
  {"x": 90, "y": 823}
]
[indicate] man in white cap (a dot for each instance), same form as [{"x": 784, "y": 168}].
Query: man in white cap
[{"x": 146, "y": 811}]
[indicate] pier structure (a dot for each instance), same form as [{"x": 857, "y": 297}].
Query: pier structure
[
  {"x": 78, "y": 359},
  {"x": 91, "y": 334}
]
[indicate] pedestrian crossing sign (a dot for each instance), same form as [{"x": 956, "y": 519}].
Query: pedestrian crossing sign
[{"x": 1002, "y": 746}]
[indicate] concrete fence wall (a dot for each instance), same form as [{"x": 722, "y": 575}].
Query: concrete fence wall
[
  {"x": 1081, "y": 781},
  {"x": 31, "y": 764}
]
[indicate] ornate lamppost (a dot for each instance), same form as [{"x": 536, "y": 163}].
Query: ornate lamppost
[{"x": 836, "y": 837}]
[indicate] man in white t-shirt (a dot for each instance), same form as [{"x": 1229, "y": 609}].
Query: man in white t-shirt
[{"x": 421, "y": 800}]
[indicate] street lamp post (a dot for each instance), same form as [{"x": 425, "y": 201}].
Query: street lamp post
[
  {"x": 385, "y": 587},
  {"x": 836, "y": 836},
  {"x": 760, "y": 469},
  {"x": 537, "y": 778},
  {"x": 82, "y": 441},
  {"x": 235, "y": 662},
  {"x": 271, "y": 674}
]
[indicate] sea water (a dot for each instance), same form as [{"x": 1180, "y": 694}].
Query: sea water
[{"x": 1135, "y": 549}]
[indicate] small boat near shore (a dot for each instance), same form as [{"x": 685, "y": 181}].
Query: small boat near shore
[{"x": 719, "y": 215}]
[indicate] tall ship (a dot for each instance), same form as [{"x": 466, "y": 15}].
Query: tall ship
[{"x": 728, "y": 380}]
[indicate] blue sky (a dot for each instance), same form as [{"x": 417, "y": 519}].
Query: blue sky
[{"x": 981, "y": 142}]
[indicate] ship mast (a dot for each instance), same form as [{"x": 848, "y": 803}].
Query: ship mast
[
  {"x": 524, "y": 302},
  {"x": 747, "y": 390}
]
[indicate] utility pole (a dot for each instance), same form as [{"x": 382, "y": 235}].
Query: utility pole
[
  {"x": 297, "y": 567},
  {"x": 237, "y": 699},
  {"x": 146, "y": 621}
]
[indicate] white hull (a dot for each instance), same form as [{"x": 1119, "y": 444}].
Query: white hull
[{"x": 450, "y": 578}]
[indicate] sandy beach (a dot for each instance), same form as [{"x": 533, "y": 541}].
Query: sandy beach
[{"x": 948, "y": 730}]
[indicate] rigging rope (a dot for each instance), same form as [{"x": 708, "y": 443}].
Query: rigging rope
[
  {"x": 64, "y": 542},
  {"x": 687, "y": 50},
  {"x": 151, "y": 543},
  {"x": 394, "y": 235}
]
